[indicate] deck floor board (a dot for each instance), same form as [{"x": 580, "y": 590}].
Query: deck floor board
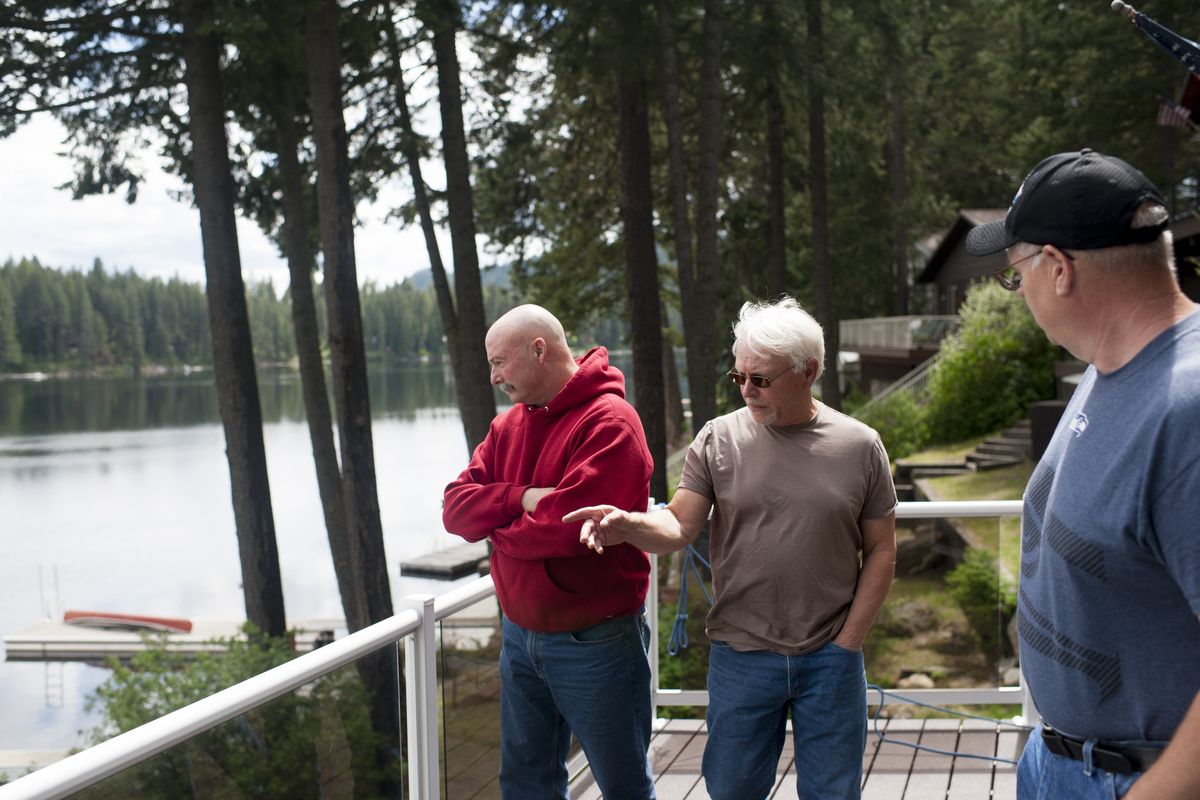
[{"x": 891, "y": 770}]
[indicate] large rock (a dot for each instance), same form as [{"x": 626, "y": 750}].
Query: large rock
[{"x": 927, "y": 547}]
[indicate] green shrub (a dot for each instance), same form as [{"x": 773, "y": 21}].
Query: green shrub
[
  {"x": 286, "y": 748},
  {"x": 987, "y": 596},
  {"x": 902, "y": 423},
  {"x": 991, "y": 368}
]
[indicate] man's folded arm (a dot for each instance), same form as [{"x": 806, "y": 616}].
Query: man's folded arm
[
  {"x": 611, "y": 464},
  {"x": 473, "y": 506}
]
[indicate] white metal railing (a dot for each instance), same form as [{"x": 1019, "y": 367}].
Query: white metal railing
[
  {"x": 416, "y": 624},
  {"x": 895, "y": 333},
  {"x": 959, "y": 509}
]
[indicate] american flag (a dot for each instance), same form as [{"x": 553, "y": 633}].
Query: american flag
[{"x": 1173, "y": 115}]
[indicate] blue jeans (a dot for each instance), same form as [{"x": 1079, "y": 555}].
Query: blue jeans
[
  {"x": 1042, "y": 775},
  {"x": 749, "y": 696},
  {"x": 594, "y": 683}
]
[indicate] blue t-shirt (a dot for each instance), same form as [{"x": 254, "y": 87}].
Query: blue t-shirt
[{"x": 1110, "y": 550}]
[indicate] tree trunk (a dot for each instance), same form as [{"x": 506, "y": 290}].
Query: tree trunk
[
  {"x": 312, "y": 371},
  {"x": 822, "y": 279},
  {"x": 233, "y": 355},
  {"x": 897, "y": 171},
  {"x": 696, "y": 326},
  {"x": 641, "y": 272},
  {"x": 777, "y": 275},
  {"x": 441, "y": 285},
  {"x": 335, "y": 208},
  {"x": 673, "y": 420},
  {"x": 704, "y": 403},
  {"x": 476, "y": 397}
]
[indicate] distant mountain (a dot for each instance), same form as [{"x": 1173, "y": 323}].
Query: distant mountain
[{"x": 499, "y": 276}]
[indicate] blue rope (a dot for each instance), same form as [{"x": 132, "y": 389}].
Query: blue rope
[
  {"x": 679, "y": 637},
  {"x": 884, "y": 694}
]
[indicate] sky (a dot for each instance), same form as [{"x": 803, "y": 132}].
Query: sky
[{"x": 156, "y": 236}]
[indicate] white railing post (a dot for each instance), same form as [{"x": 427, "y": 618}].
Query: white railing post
[
  {"x": 1029, "y": 712},
  {"x": 652, "y": 618},
  {"x": 420, "y": 680}
]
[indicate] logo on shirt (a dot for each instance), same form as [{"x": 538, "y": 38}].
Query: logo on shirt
[{"x": 1079, "y": 424}]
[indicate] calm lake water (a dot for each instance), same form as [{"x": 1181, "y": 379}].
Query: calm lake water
[{"x": 114, "y": 496}]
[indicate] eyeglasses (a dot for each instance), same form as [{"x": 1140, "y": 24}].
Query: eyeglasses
[
  {"x": 1010, "y": 279},
  {"x": 758, "y": 381}
]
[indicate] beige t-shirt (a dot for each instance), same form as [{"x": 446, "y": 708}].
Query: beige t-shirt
[{"x": 786, "y": 543}]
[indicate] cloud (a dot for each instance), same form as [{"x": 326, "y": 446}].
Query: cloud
[{"x": 157, "y": 235}]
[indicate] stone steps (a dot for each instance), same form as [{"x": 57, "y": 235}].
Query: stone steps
[{"x": 1012, "y": 446}]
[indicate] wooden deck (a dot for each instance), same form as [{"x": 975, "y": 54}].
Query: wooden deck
[{"x": 891, "y": 771}]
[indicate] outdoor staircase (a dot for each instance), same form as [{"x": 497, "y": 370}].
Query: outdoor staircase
[{"x": 1012, "y": 446}]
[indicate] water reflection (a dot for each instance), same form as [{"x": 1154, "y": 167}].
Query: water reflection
[{"x": 75, "y": 405}]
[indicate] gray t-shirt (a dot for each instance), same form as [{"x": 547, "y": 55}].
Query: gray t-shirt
[
  {"x": 1110, "y": 550},
  {"x": 786, "y": 539}
]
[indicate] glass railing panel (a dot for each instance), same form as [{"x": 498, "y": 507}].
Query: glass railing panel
[
  {"x": 469, "y": 700},
  {"x": 336, "y": 737},
  {"x": 948, "y": 620},
  {"x": 683, "y": 605}
]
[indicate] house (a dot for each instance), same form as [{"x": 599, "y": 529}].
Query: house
[
  {"x": 889, "y": 348},
  {"x": 952, "y": 270}
]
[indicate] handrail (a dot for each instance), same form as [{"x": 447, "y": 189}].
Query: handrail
[
  {"x": 127, "y": 749},
  {"x": 132, "y": 747},
  {"x": 944, "y": 509}
]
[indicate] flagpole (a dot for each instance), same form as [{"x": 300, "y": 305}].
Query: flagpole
[{"x": 1181, "y": 49}]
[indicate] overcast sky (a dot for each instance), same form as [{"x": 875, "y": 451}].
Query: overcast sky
[{"x": 156, "y": 236}]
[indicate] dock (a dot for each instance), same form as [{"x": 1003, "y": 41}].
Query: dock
[
  {"x": 53, "y": 640},
  {"x": 449, "y": 564}
]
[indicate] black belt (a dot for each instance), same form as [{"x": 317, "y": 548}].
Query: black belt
[{"x": 1119, "y": 758}]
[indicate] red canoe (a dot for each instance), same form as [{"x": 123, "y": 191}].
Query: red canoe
[{"x": 108, "y": 619}]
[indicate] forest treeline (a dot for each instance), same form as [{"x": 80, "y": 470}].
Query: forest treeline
[{"x": 53, "y": 319}]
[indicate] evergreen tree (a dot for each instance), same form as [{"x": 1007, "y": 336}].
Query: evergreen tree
[{"x": 10, "y": 345}]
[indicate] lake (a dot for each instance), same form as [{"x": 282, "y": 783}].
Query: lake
[{"x": 114, "y": 496}]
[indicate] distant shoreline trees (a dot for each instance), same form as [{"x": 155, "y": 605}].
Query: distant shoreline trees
[{"x": 52, "y": 319}]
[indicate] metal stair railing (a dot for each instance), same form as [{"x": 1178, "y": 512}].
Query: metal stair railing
[{"x": 916, "y": 382}]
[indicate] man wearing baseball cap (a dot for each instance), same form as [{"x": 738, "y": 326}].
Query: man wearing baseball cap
[{"x": 1110, "y": 533}]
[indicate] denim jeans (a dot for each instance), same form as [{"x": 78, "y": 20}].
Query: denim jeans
[
  {"x": 749, "y": 696},
  {"x": 594, "y": 683},
  {"x": 1042, "y": 775}
]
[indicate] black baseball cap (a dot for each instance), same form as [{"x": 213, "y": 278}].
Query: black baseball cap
[{"x": 1076, "y": 201}]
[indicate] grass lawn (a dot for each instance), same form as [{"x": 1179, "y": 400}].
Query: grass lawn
[{"x": 945, "y": 452}]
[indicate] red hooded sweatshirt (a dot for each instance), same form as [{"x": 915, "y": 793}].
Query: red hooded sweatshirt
[{"x": 588, "y": 444}]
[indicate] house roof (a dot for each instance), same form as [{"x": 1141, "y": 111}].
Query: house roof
[
  {"x": 967, "y": 219},
  {"x": 1184, "y": 227}
]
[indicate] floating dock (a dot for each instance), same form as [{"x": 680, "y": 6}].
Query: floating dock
[
  {"x": 59, "y": 641},
  {"x": 449, "y": 564}
]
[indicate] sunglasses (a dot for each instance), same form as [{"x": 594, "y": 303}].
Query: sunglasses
[
  {"x": 758, "y": 381},
  {"x": 1010, "y": 279}
]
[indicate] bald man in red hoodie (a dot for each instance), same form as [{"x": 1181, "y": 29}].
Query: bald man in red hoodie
[{"x": 575, "y": 635}]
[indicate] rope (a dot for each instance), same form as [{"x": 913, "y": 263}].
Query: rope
[
  {"x": 884, "y": 694},
  {"x": 679, "y": 637}
]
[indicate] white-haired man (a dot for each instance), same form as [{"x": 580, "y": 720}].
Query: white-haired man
[
  {"x": 1110, "y": 556},
  {"x": 803, "y": 547}
]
